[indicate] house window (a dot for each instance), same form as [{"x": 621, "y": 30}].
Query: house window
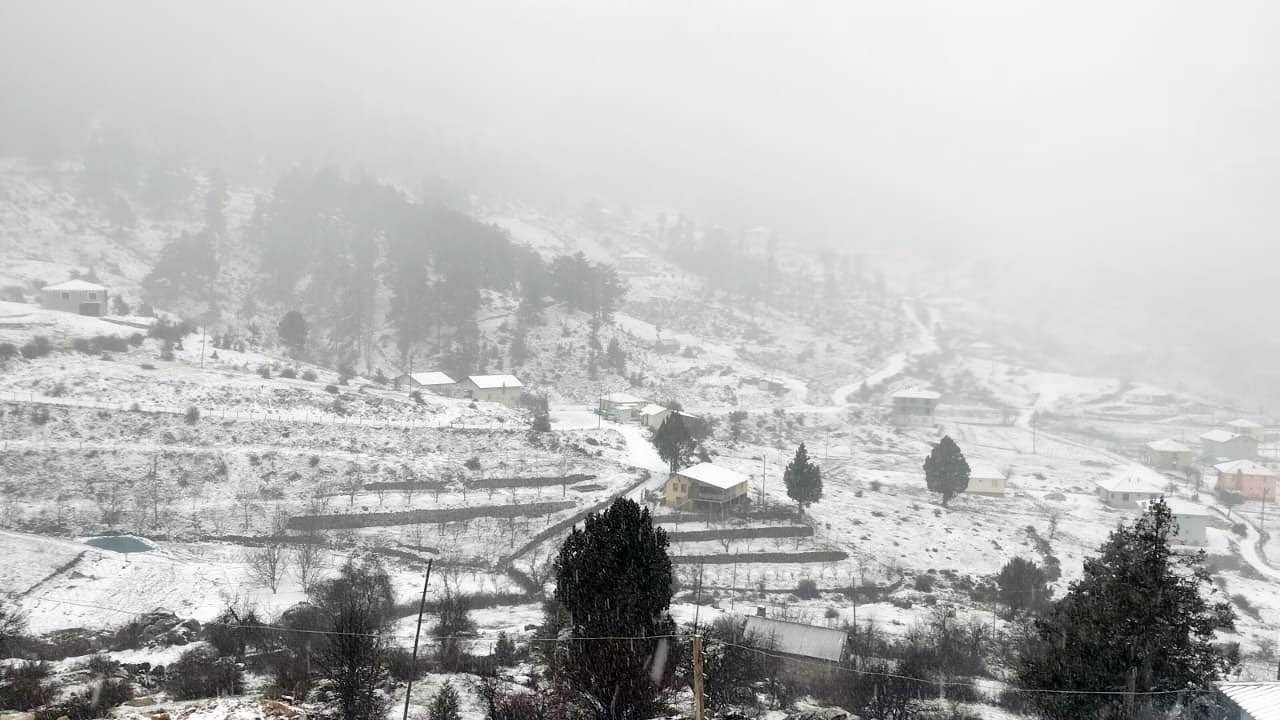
[
  {"x": 66, "y": 296},
  {"x": 93, "y": 296},
  {"x": 1124, "y": 497}
]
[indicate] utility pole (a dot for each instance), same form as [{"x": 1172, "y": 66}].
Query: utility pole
[
  {"x": 417, "y": 633},
  {"x": 698, "y": 699}
]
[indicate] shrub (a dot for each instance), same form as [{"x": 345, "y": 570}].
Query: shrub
[
  {"x": 309, "y": 375},
  {"x": 82, "y": 345},
  {"x": 265, "y": 371},
  {"x": 166, "y": 351},
  {"x": 200, "y": 673},
  {"x": 332, "y": 389},
  {"x": 504, "y": 650},
  {"x": 147, "y": 366},
  {"x": 472, "y": 463},
  {"x": 37, "y": 348},
  {"x": 22, "y": 685},
  {"x": 58, "y": 390},
  {"x": 289, "y": 373},
  {"x": 8, "y": 351},
  {"x": 401, "y": 667},
  {"x": 170, "y": 330},
  {"x": 831, "y": 613},
  {"x": 1246, "y": 606},
  {"x": 924, "y": 583},
  {"x": 807, "y": 589},
  {"x": 192, "y": 415},
  {"x": 136, "y": 339},
  {"x": 875, "y": 486},
  {"x": 102, "y": 665},
  {"x": 39, "y": 415},
  {"x": 444, "y": 706},
  {"x": 92, "y": 702},
  {"x": 416, "y": 396}
]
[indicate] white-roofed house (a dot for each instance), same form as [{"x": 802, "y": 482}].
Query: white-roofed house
[
  {"x": 986, "y": 479},
  {"x": 436, "y": 382},
  {"x": 1244, "y": 426},
  {"x": 1226, "y": 445},
  {"x": 1130, "y": 487},
  {"x": 504, "y": 389},
  {"x": 1168, "y": 454},
  {"x": 653, "y": 415},
  {"x": 621, "y": 406},
  {"x": 76, "y": 296},
  {"x": 705, "y": 487},
  {"x": 914, "y": 407},
  {"x": 1250, "y": 479},
  {"x": 1193, "y": 520},
  {"x": 807, "y": 650},
  {"x": 1251, "y": 700}
]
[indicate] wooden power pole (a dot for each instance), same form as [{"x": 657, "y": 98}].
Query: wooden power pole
[
  {"x": 417, "y": 633},
  {"x": 698, "y": 700}
]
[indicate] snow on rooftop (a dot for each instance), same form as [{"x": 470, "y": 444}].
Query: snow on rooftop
[
  {"x": 431, "y": 378},
  {"x": 1219, "y": 436},
  {"x": 653, "y": 409},
  {"x": 1244, "y": 467},
  {"x": 1168, "y": 445},
  {"x": 985, "y": 470},
  {"x": 1259, "y": 700},
  {"x": 1185, "y": 508},
  {"x": 75, "y": 286},
  {"x": 797, "y": 638},
  {"x": 488, "y": 382},
  {"x": 1138, "y": 480},
  {"x": 917, "y": 394},
  {"x": 714, "y": 475},
  {"x": 1244, "y": 424}
]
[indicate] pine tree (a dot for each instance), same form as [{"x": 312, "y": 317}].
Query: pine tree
[
  {"x": 1135, "y": 621},
  {"x": 803, "y": 480},
  {"x": 444, "y": 706},
  {"x": 1022, "y": 585},
  {"x": 616, "y": 357},
  {"x": 674, "y": 442},
  {"x": 945, "y": 470},
  {"x": 613, "y": 579},
  {"x": 293, "y": 331}
]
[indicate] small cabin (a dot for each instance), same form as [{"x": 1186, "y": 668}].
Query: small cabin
[
  {"x": 653, "y": 415},
  {"x": 1222, "y": 445},
  {"x": 502, "y": 389},
  {"x": 986, "y": 480},
  {"x": 1249, "y": 428},
  {"x": 621, "y": 406},
  {"x": 1130, "y": 488},
  {"x": 1192, "y": 521},
  {"x": 436, "y": 382},
  {"x": 1248, "y": 478},
  {"x": 76, "y": 296},
  {"x": 1168, "y": 455}
]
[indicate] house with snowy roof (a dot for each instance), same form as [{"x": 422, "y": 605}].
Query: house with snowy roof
[
  {"x": 503, "y": 389},
  {"x": 1222, "y": 445},
  {"x": 1251, "y": 700},
  {"x": 621, "y": 406},
  {"x": 705, "y": 487},
  {"x": 986, "y": 479},
  {"x": 1244, "y": 426},
  {"x": 1248, "y": 478},
  {"x": 436, "y": 382},
  {"x": 653, "y": 415},
  {"x": 1168, "y": 454},
  {"x": 76, "y": 296},
  {"x": 1192, "y": 520},
  {"x": 914, "y": 406},
  {"x": 1129, "y": 488}
]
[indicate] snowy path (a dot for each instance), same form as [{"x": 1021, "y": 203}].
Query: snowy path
[{"x": 925, "y": 344}]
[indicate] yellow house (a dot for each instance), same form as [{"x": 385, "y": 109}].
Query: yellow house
[
  {"x": 986, "y": 480},
  {"x": 705, "y": 487}
]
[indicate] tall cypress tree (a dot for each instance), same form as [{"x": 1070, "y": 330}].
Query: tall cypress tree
[
  {"x": 945, "y": 470},
  {"x": 803, "y": 479},
  {"x": 674, "y": 442},
  {"x": 1134, "y": 621},
  {"x": 613, "y": 580}
]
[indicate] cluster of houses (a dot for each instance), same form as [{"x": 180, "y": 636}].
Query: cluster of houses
[{"x": 502, "y": 389}]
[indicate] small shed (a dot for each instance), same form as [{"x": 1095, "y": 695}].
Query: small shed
[
  {"x": 1244, "y": 426},
  {"x": 1250, "y": 479},
  {"x": 1221, "y": 445},
  {"x": 503, "y": 389},
  {"x": 986, "y": 479},
  {"x": 621, "y": 406},
  {"x": 705, "y": 487},
  {"x": 76, "y": 296},
  {"x": 652, "y": 415},
  {"x": 436, "y": 382},
  {"x": 914, "y": 406},
  {"x": 1168, "y": 454},
  {"x": 1130, "y": 488},
  {"x": 1193, "y": 520}
]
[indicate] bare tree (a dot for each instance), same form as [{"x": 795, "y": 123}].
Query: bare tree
[
  {"x": 267, "y": 564},
  {"x": 308, "y": 558},
  {"x": 1055, "y": 516}
]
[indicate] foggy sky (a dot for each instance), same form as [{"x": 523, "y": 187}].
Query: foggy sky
[{"x": 1127, "y": 145}]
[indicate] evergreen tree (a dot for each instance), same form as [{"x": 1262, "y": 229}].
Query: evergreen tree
[
  {"x": 1135, "y": 621},
  {"x": 803, "y": 479},
  {"x": 616, "y": 356},
  {"x": 1022, "y": 585},
  {"x": 613, "y": 579},
  {"x": 293, "y": 331},
  {"x": 215, "y": 202},
  {"x": 945, "y": 470},
  {"x": 444, "y": 706},
  {"x": 674, "y": 442},
  {"x": 185, "y": 271}
]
